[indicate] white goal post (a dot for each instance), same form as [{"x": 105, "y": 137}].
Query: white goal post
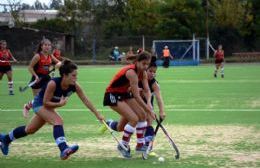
[{"x": 185, "y": 52}]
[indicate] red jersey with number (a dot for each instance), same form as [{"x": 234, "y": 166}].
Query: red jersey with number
[
  {"x": 6, "y": 56},
  {"x": 42, "y": 67},
  {"x": 120, "y": 83},
  {"x": 219, "y": 54},
  {"x": 57, "y": 54}
]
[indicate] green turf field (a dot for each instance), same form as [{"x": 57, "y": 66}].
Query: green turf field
[{"x": 215, "y": 122}]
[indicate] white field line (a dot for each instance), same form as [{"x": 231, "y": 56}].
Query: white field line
[
  {"x": 172, "y": 81},
  {"x": 170, "y": 109}
]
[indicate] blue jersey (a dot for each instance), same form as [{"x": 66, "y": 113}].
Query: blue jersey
[{"x": 58, "y": 93}]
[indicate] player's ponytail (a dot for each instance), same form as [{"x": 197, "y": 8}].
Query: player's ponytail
[
  {"x": 144, "y": 55},
  {"x": 67, "y": 67},
  {"x": 153, "y": 62}
]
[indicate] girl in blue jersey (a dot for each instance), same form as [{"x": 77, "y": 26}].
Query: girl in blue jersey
[
  {"x": 155, "y": 90},
  {"x": 52, "y": 96}
]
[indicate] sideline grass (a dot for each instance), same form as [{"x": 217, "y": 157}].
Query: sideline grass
[{"x": 215, "y": 122}]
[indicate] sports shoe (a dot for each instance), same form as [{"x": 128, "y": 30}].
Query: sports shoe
[
  {"x": 68, "y": 151},
  {"x": 26, "y": 111},
  {"x": 11, "y": 93},
  {"x": 222, "y": 75},
  {"x": 102, "y": 129},
  {"x": 125, "y": 154},
  {"x": 141, "y": 149},
  {"x": 215, "y": 75},
  {"x": 148, "y": 153},
  {"x": 4, "y": 146},
  {"x": 153, "y": 154}
]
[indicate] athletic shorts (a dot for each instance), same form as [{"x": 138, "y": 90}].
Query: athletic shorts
[
  {"x": 44, "y": 79},
  {"x": 37, "y": 104},
  {"x": 111, "y": 99},
  {"x": 5, "y": 69},
  {"x": 219, "y": 61}
]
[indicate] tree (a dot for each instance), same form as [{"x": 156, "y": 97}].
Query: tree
[
  {"x": 25, "y": 6},
  {"x": 14, "y": 10},
  {"x": 38, "y": 5},
  {"x": 76, "y": 14},
  {"x": 142, "y": 16},
  {"x": 56, "y": 4},
  {"x": 180, "y": 19},
  {"x": 231, "y": 23}
]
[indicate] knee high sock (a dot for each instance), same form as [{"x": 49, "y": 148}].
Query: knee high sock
[
  {"x": 10, "y": 86},
  {"x": 128, "y": 131},
  {"x": 59, "y": 136},
  {"x": 140, "y": 129},
  {"x": 149, "y": 133},
  {"x": 16, "y": 133}
]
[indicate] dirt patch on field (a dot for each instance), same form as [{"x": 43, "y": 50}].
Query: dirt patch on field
[
  {"x": 254, "y": 103},
  {"x": 207, "y": 141}
]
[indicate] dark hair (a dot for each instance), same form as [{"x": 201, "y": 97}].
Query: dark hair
[
  {"x": 67, "y": 67},
  {"x": 144, "y": 55},
  {"x": 1, "y": 42},
  {"x": 153, "y": 62},
  {"x": 39, "y": 48}
]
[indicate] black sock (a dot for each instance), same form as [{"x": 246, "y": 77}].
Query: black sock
[
  {"x": 59, "y": 136},
  {"x": 149, "y": 133},
  {"x": 113, "y": 125},
  {"x": 17, "y": 133}
]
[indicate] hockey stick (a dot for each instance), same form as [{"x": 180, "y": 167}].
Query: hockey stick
[
  {"x": 4, "y": 61},
  {"x": 22, "y": 89},
  {"x": 112, "y": 133},
  {"x": 177, "y": 156},
  {"x": 146, "y": 153}
]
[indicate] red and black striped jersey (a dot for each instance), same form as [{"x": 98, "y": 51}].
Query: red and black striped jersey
[
  {"x": 120, "y": 83},
  {"x": 6, "y": 56},
  {"x": 219, "y": 54},
  {"x": 43, "y": 65}
]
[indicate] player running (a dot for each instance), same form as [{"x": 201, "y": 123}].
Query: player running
[
  {"x": 219, "y": 61},
  {"x": 5, "y": 65},
  {"x": 123, "y": 96},
  {"x": 40, "y": 68},
  {"x": 55, "y": 94},
  {"x": 57, "y": 52}
]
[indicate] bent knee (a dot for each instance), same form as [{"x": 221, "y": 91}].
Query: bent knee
[
  {"x": 57, "y": 121},
  {"x": 134, "y": 120},
  {"x": 142, "y": 116}
]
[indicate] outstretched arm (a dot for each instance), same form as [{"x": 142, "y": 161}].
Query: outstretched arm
[
  {"x": 57, "y": 62},
  {"x": 146, "y": 90},
  {"x": 33, "y": 62},
  {"x": 12, "y": 56},
  {"x": 159, "y": 99},
  {"x": 87, "y": 102}
]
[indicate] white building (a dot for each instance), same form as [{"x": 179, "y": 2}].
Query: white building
[{"x": 29, "y": 16}]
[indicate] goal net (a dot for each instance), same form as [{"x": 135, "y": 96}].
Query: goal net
[{"x": 184, "y": 52}]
